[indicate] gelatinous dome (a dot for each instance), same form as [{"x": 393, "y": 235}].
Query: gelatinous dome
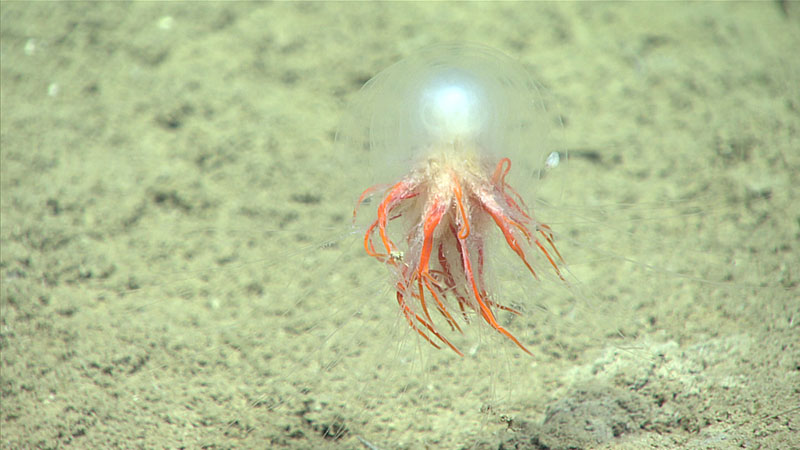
[{"x": 467, "y": 100}]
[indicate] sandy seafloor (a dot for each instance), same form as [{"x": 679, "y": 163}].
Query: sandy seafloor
[{"x": 177, "y": 270}]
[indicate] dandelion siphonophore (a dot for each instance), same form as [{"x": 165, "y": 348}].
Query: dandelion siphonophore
[{"x": 445, "y": 129}]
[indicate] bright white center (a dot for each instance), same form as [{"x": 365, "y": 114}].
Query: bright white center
[{"x": 451, "y": 112}]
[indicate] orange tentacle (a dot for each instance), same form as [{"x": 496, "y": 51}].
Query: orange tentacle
[
  {"x": 411, "y": 316},
  {"x": 499, "y": 175},
  {"x": 440, "y": 305},
  {"x": 548, "y": 236},
  {"x": 511, "y": 240},
  {"x": 367, "y": 192},
  {"x": 463, "y": 231},
  {"x": 368, "y": 245},
  {"x": 485, "y": 311},
  {"x": 384, "y": 209},
  {"x": 549, "y": 258},
  {"x": 433, "y": 216},
  {"x": 499, "y": 179}
]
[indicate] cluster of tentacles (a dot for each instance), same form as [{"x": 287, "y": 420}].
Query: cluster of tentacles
[{"x": 444, "y": 256}]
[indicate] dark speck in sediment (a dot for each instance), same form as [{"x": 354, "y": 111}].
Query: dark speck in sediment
[{"x": 306, "y": 198}]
